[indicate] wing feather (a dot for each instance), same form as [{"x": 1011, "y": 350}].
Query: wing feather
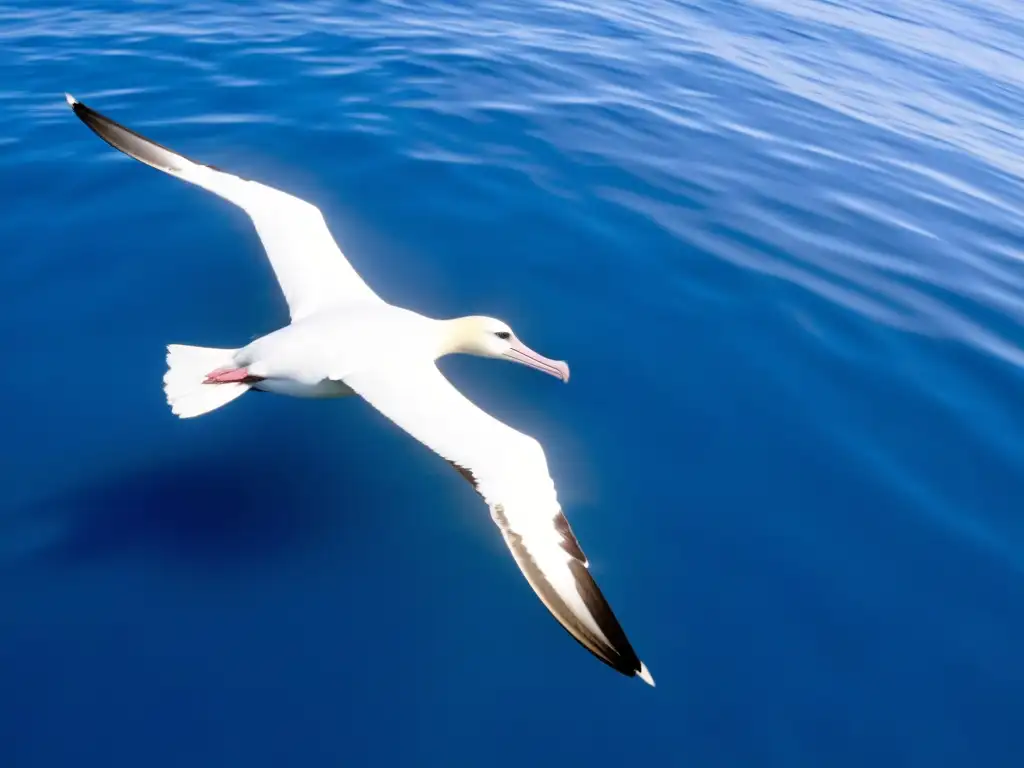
[
  {"x": 509, "y": 470},
  {"x": 309, "y": 266}
]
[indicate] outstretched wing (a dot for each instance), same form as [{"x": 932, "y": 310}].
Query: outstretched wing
[
  {"x": 311, "y": 269},
  {"x": 510, "y": 471}
]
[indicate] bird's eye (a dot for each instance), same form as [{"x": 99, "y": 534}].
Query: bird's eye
[{"x": 503, "y": 335}]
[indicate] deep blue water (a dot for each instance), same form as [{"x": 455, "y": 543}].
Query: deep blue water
[{"x": 779, "y": 242}]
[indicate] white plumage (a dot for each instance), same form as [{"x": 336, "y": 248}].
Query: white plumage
[
  {"x": 343, "y": 339},
  {"x": 187, "y": 367}
]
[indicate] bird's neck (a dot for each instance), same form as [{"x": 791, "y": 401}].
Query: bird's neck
[{"x": 456, "y": 337}]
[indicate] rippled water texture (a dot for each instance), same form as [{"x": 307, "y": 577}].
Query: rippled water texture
[{"x": 780, "y": 244}]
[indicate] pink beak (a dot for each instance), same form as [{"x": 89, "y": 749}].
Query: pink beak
[{"x": 521, "y": 353}]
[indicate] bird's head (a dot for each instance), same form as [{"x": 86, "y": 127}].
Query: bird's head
[{"x": 490, "y": 337}]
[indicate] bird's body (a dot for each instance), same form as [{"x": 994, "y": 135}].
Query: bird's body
[
  {"x": 333, "y": 343},
  {"x": 344, "y": 340}
]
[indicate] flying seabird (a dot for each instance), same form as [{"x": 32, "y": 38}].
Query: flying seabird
[{"x": 343, "y": 339}]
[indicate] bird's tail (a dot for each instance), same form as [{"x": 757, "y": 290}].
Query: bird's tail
[{"x": 184, "y": 383}]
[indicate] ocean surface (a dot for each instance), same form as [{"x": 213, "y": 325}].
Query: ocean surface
[{"x": 780, "y": 243}]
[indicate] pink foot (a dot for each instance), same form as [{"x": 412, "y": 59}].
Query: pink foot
[{"x": 226, "y": 375}]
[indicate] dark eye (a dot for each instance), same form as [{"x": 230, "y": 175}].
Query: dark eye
[{"x": 503, "y": 335}]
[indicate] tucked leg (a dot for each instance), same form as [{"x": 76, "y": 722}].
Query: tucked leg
[{"x": 227, "y": 375}]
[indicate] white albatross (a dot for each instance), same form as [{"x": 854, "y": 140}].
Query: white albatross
[{"x": 343, "y": 339}]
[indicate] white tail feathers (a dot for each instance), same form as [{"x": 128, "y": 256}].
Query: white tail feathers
[{"x": 187, "y": 368}]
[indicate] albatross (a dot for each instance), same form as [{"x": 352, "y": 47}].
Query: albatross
[{"x": 343, "y": 339}]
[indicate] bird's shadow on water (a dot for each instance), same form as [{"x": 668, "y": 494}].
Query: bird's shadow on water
[{"x": 202, "y": 510}]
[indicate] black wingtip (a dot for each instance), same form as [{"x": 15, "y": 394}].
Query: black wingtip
[
  {"x": 130, "y": 142},
  {"x": 92, "y": 118},
  {"x": 85, "y": 114}
]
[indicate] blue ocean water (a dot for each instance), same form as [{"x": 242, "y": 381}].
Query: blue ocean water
[{"x": 780, "y": 244}]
